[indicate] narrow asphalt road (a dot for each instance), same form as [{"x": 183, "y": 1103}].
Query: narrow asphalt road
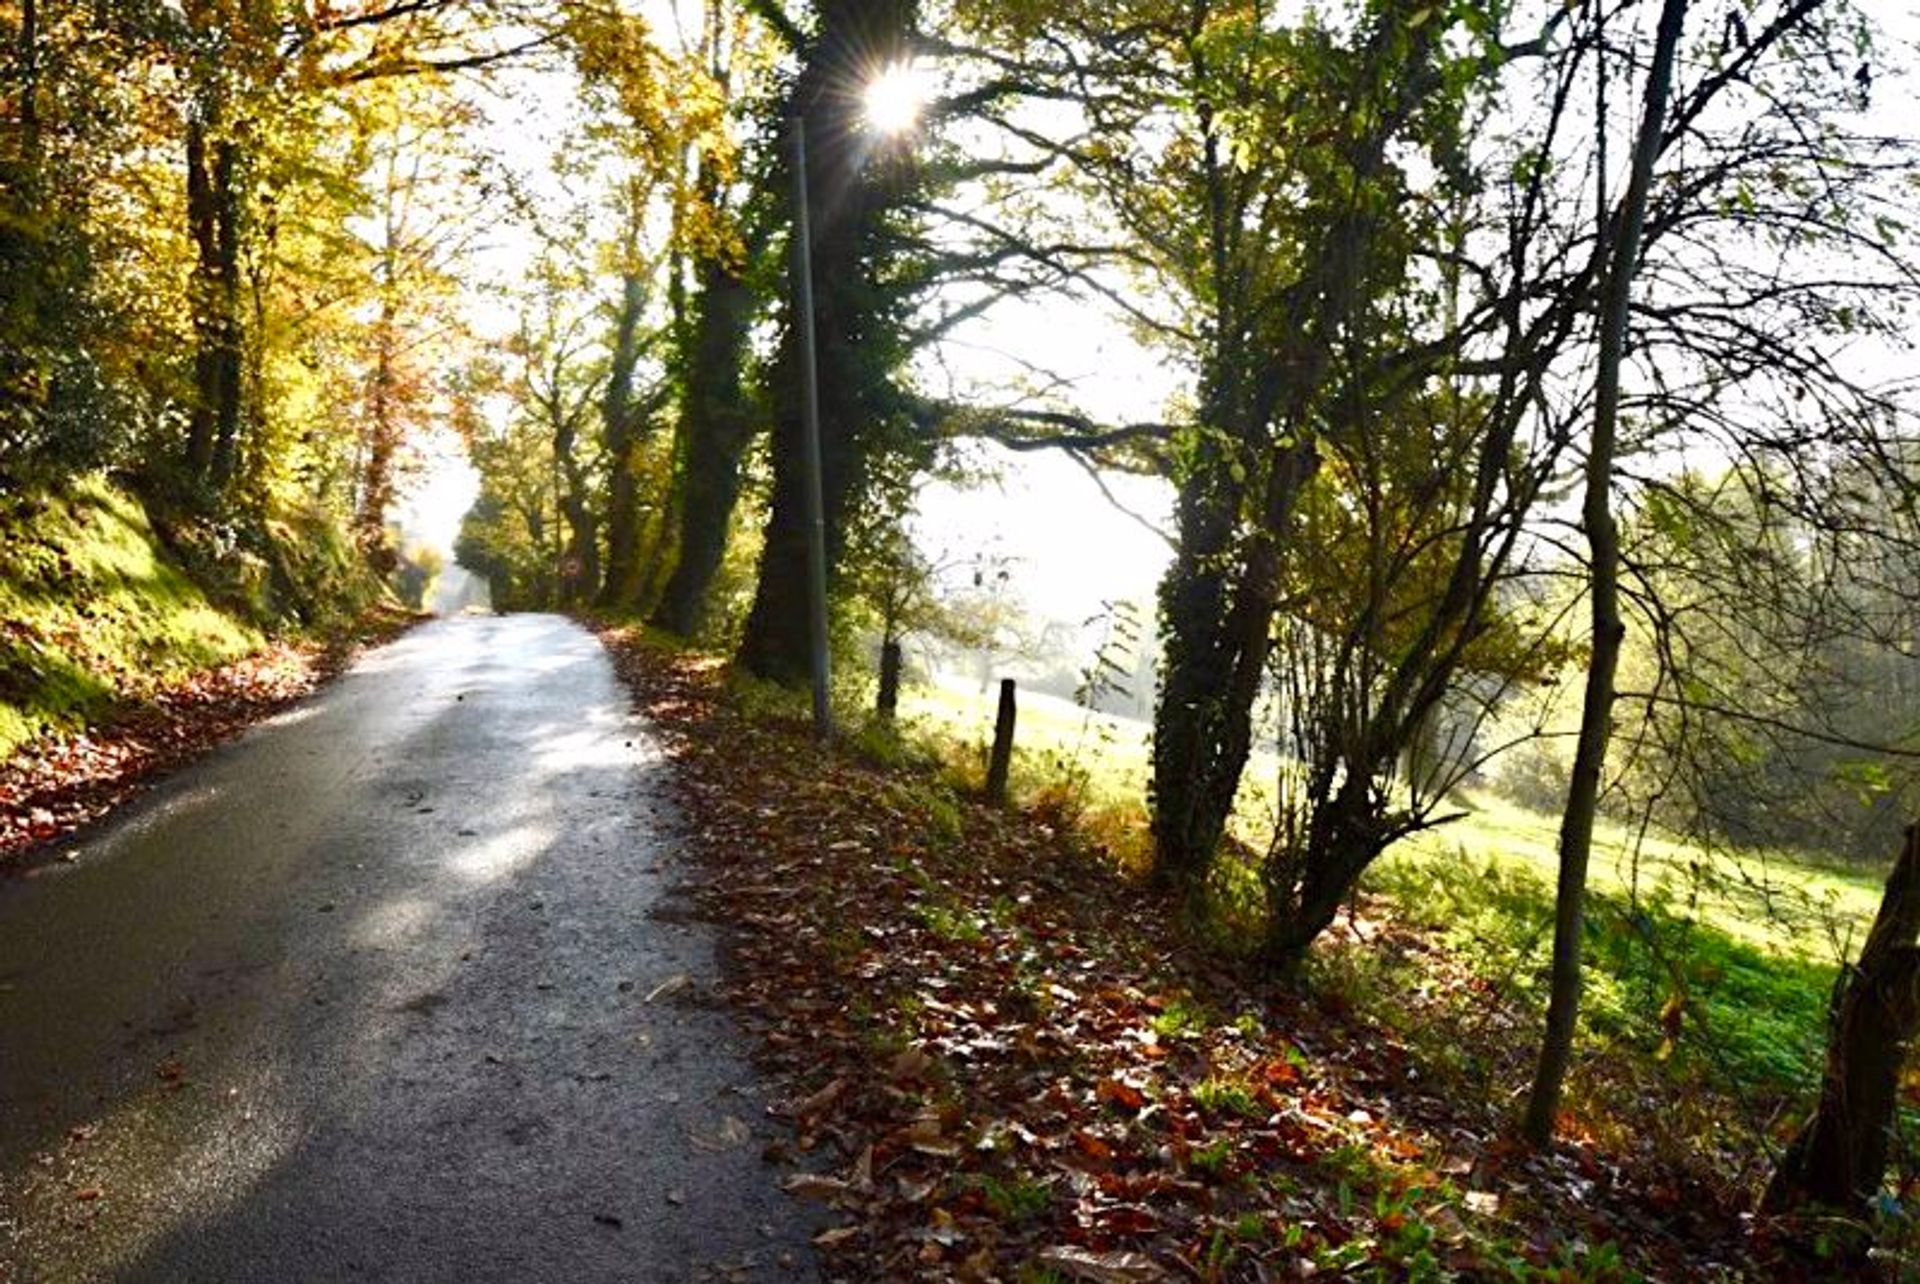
[{"x": 396, "y": 987}]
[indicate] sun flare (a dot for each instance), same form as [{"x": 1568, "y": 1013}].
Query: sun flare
[{"x": 894, "y": 99}]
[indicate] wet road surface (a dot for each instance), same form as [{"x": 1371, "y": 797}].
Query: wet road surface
[{"x": 396, "y": 987}]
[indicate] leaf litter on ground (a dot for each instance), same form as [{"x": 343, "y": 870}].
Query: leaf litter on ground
[{"x": 1000, "y": 1060}]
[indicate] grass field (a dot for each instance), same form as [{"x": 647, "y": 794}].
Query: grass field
[{"x": 1742, "y": 944}]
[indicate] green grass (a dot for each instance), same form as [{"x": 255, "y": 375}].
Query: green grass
[
  {"x": 1780, "y": 901},
  {"x": 1736, "y": 950},
  {"x": 1674, "y": 986},
  {"x": 1050, "y": 734},
  {"x": 92, "y": 612}
]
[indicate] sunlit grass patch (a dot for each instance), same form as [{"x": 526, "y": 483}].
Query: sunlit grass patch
[
  {"x": 92, "y": 612},
  {"x": 1672, "y": 986},
  {"x": 1713, "y": 965}
]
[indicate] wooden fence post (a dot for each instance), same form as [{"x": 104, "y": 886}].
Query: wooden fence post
[
  {"x": 889, "y": 702},
  {"x": 1002, "y": 759}
]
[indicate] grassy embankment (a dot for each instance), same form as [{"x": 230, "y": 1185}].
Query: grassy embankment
[
  {"x": 98, "y": 610},
  {"x": 1711, "y": 966}
]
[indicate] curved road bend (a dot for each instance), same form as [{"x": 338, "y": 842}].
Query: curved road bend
[{"x": 393, "y": 988}]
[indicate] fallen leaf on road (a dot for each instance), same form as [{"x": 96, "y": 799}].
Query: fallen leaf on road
[
  {"x": 814, "y": 1186},
  {"x": 731, "y": 1132},
  {"x": 669, "y": 987},
  {"x": 1103, "y": 1268}
]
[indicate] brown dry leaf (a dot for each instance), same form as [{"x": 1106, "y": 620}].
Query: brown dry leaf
[
  {"x": 732, "y": 1132},
  {"x": 925, "y": 1136},
  {"x": 1119, "y": 1267},
  {"x": 814, "y": 1186},
  {"x": 819, "y": 1101},
  {"x": 669, "y": 987},
  {"x": 976, "y": 1269},
  {"x": 838, "y": 1235},
  {"x": 1091, "y": 1146}
]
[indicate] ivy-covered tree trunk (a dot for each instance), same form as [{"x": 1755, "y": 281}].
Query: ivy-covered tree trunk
[
  {"x": 854, "y": 186},
  {"x": 1217, "y": 604},
  {"x": 716, "y": 426},
  {"x": 213, "y": 213},
  {"x": 1838, "y": 1159},
  {"x": 1271, "y": 369},
  {"x": 620, "y": 423}
]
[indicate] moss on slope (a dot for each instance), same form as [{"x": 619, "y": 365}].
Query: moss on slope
[{"x": 92, "y": 611}]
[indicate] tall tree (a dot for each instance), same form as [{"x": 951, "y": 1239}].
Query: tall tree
[
  {"x": 717, "y": 422},
  {"x": 432, "y": 204},
  {"x": 1603, "y": 561},
  {"x": 674, "y": 109},
  {"x": 858, "y": 181}
]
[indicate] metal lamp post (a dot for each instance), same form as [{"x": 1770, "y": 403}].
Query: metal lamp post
[{"x": 810, "y": 429}]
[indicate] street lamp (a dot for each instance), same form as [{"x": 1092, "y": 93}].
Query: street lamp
[
  {"x": 810, "y": 429},
  {"x": 892, "y": 106}
]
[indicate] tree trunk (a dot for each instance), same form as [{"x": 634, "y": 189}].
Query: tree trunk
[
  {"x": 580, "y": 562},
  {"x": 1000, "y": 760},
  {"x": 1603, "y": 542},
  {"x": 1265, "y": 389},
  {"x": 1838, "y": 1159},
  {"x": 27, "y": 290},
  {"x": 1219, "y": 635},
  {"x": 200, "y": 223},
  {"x": 229, "y": 355},
  {"x": 887, "y": 703},
  {"x": 620, "y": 431},
  {"x": 718, "y": 427},
  {"x": 213, "y": 224},
  {"x": 853, "y": 191},
  {"x": 1303, "y": 902},
  {"x": 27, "y": 51},
  {"x": 383, "y": 443},
  {"x": 657, "y": 560}
]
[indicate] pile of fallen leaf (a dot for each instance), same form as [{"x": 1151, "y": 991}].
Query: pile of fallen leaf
[
  {"x": 1000, "y": 1062},
  {"x": 62, "y": 781}
]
